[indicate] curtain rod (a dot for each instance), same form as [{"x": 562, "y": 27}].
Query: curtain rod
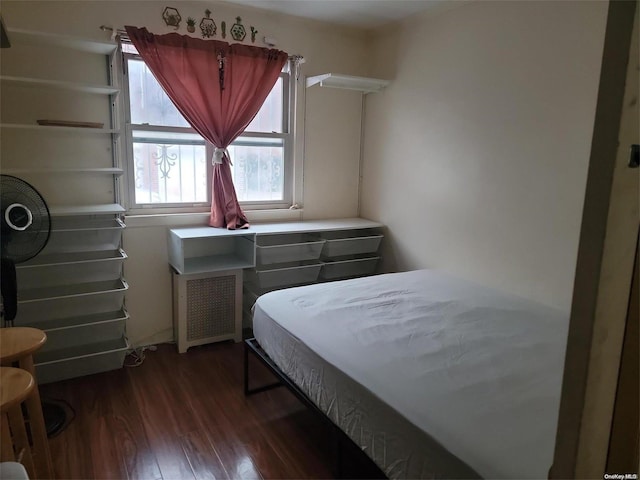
[
  {"x": 123, "y": 36},
  {"x": 115, "y": 32}
]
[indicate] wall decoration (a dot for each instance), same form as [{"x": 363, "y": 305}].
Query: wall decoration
[
  {"x": 223, "y": 27},
  {"x": 207, "y": 26},
  {"x": 253, "y": 34},
  {"x": 171, "y": 17},
  {"x": 237, "y": 30},
  {"x": 191, "y": 25}
]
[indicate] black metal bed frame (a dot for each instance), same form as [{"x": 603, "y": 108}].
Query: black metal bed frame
[{"x": 340, "y": 439}]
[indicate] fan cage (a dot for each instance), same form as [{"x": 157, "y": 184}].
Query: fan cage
[{"x": 22, "y": 245}]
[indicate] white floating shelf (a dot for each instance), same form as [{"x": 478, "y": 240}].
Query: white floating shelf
[
  {"x": 348, "y": 82},
  {"x": 48, "y": 128},
  {"x": 79, "y": 87},
  {"x": 51, "y": 171},
  {"x": 19, "y": 36},
  {"x": 69, "y": 210}
]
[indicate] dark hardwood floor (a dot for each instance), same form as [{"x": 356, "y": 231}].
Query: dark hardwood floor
[{"x": 184, "y": 416}]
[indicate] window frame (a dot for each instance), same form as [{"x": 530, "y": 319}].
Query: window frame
[{"x": 286, "y": 137}]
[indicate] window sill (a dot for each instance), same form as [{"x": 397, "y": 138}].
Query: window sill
[{"x": 193, "y": 219}]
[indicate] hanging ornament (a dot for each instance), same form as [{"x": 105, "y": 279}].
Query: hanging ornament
[
  {"x": 191, "y": 25},
  {"x": 207, "y": 25},
  {"x": 253, "y": 34},
  {"x": 171, "y": 17},
  {"x": 221, "y": 62},
  {"x": 237, "y": 31},
  {"x": 223, "y": 27}
]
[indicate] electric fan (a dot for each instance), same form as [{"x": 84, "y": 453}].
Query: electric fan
[{"x": 25, "y": 226}]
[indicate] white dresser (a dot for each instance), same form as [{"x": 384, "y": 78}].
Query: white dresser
[{"x": 219, "y": 273}]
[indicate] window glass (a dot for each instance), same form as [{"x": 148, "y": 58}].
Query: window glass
[
  {"x": 258, "y": 169},
  {"x": 148, "y": 102},
  {"x": 269, "y": 118},
  {"x": 169, "y": 170}
]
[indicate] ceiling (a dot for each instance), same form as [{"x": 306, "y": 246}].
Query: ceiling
[{"x": 354, "y": 13}]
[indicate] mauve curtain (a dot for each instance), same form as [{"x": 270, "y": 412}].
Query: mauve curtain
[{"x": 218, "y": 88}]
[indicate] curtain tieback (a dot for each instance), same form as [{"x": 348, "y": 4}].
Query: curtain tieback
[{"x": 218, "y": 154}]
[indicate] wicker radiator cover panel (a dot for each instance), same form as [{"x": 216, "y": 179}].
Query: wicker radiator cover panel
[{"x": 210, "y": 307}]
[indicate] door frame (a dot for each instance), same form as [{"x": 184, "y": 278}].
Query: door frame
[{"x": 605, "y": 261}]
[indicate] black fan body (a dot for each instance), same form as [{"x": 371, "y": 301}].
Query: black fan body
[{"x": 25, "y": 226}]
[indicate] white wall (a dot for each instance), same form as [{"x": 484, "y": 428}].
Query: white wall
[
  {"x": 332, "y": 144},
  {"x": 476, "y": 155},
  {"x": 331, "y": 151}
]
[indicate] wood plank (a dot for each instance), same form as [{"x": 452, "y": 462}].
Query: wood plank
[
  {"x": 106, "y": 461},
  {"x": 206, "y": 387},
  {"x": 163, "y": 415},
  {"x": 127, "y": 430},
  {"x": 69, "y": 123},
  {"x": 87, "y": 402},
  {"x": 202, "y": 456},
  {"x": 232, "y": 419}
]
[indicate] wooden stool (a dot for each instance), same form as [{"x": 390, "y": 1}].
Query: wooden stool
[
  {"x": 16, "y": 385},
  {"x": 17, "y": 344}
]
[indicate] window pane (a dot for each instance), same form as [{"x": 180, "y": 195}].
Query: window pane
[
  {"x": 129, "y": 48},
  {"x": 258, "y": 169},
  {"x": 269, "y": 118},
  {"x": 166, "y": 172},
  {"x": 149, "y": 103},
  {"x": 167, "y": 137}
]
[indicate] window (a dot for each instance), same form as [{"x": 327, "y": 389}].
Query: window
[{"x": 169, "y": 164}]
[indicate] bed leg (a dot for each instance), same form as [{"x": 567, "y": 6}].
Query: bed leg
[
  {"x": 247, "y": 346},
  {"x": 246, "y": 369},
  {"x": 337, "y": 447}
]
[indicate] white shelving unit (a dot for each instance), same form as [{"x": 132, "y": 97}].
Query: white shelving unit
[
  {"x": 268, "y": 256},
  {"x": 73, "y": 290}
]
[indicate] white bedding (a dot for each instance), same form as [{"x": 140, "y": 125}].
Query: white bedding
[{"x": 431, "y": 358}]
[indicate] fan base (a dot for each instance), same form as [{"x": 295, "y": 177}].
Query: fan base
[{"x": 55, "y": 418}]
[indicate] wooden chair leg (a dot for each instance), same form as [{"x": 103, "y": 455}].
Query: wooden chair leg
[
  {"x": 38, "y": 429},
  {"x": 42, "y": 456},
  {"x": 20, "y": 440},
  {"x": 6, "y": 447}
]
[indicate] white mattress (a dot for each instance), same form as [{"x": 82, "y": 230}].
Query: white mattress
[{"x": 431, "y": 375}]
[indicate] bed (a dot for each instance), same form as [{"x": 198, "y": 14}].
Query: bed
[{"x": 431, "y": 376}]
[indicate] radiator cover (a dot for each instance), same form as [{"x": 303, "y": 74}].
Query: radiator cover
[{"x": 207, "y": 307}]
